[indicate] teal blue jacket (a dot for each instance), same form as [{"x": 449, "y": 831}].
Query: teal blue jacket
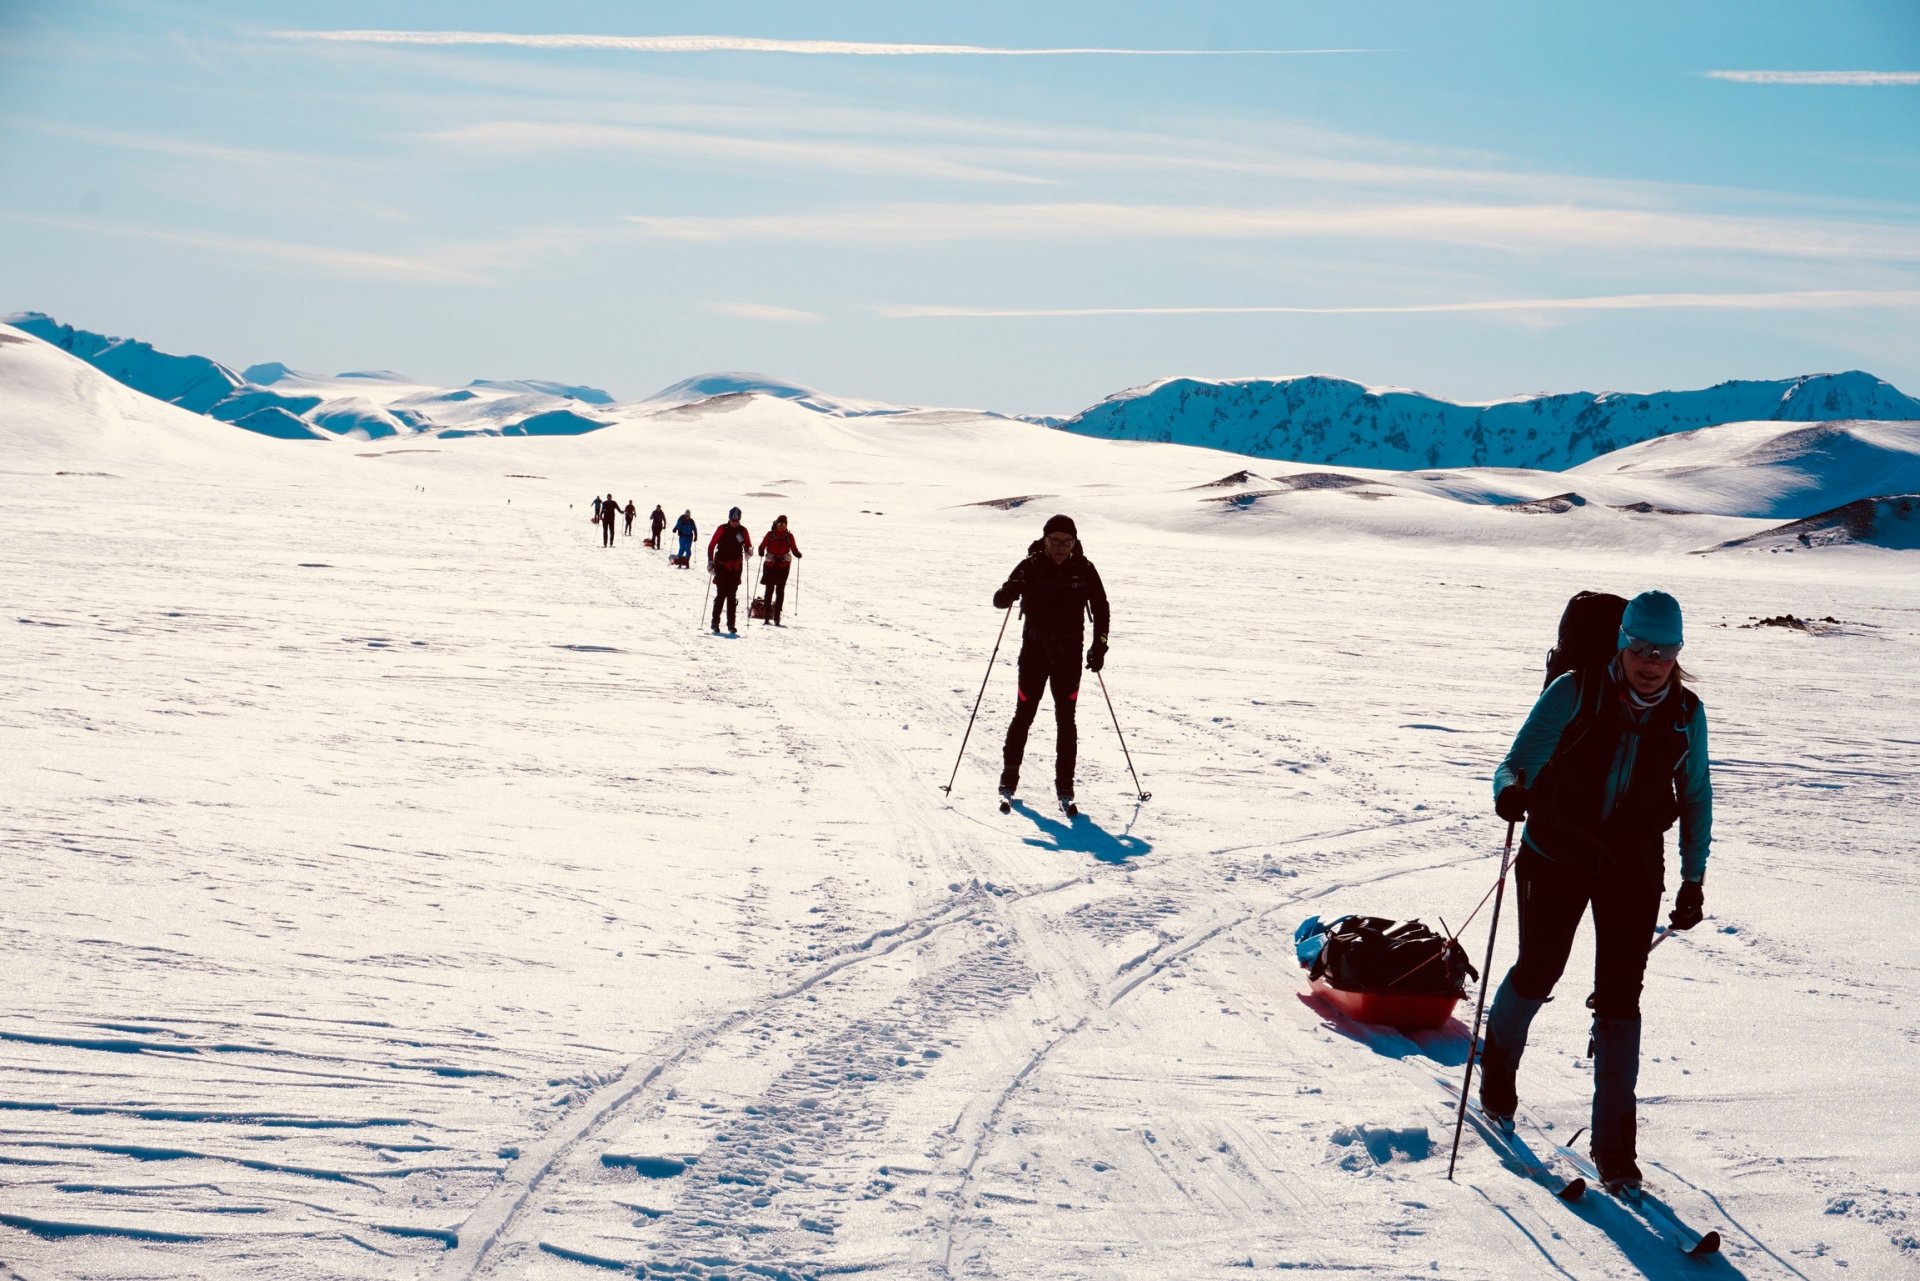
[{"x": 1534, "y": 745}]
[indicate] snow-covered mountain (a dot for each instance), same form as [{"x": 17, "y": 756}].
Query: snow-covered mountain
[
  {"x": 272, "y": 399},
  {"x": 701, "y": 387},
  {"x": 60, "y": 415},
  {"x": 1315, "y": 419}
]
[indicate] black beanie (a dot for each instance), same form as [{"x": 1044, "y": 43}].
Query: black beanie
[{"x": 1059, "y": 525}]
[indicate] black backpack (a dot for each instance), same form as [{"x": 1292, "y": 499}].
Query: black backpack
[
  {"x": 1374, "y": 954},
  {"x": 1589, "y": 634}
]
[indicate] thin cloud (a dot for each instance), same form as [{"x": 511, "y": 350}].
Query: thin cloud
[
  {"x": 300, "y": 174},
  {"x": 1814, "y": 299},
  {"x": 353, "y": 263},
  {"x": 1818, "y": 77},
  {"x": 743, "y": 44},
  {"x": 765, "y": 311},
  {"x": 1483, "y": 226},
  {"x": 1253, "y": 145},
  {"x": 841, "y": 157}
]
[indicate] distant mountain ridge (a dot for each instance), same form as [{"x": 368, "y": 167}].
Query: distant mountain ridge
[
  {"x": 272, "y": 399},
  {"x": 1312, "y": 419},
  {"x": 1318, "y": 419}
]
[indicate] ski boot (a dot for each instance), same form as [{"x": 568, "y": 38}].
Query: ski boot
[
  {"x": 1067, "y": 806},
  {"x": 1619, "y": 1176},
  {"x": 1006, "y": 798}
]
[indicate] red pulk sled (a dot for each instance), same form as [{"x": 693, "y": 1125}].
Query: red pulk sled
[{"x": 1376, "y": 970}]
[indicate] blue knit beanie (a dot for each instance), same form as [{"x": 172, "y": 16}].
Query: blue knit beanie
[{"x": 1652, "y": 617}]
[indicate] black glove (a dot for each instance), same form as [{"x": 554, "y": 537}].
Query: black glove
[
  {"x": 1511, "y": 803},
  {"x": 1688, "y": 905},
  {"x": 1005, "y": 596},
  {"x": 1097, "y": 655}
]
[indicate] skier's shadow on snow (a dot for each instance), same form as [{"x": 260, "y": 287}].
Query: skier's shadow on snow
[
  {"x": 1650, "y": 1246},
  {"x": 1082, "y": 836},
  {"x": 1653, "y": 1245},
  {"x": 1445, "y": 1045}
]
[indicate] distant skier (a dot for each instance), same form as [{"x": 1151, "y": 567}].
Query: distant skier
[
  {"x": 659, "y": 522},
  {"x": 727, "y": 554},
  {"x": 630, "y": 511},
  {"x": 596, "y": 509},
  {"x": 1611, "y": 756},
  {"x": 686, "y": 531},
  {"x": 777, "y": 551},
  {"x": 1059, "y": 586},
  {"x": 609, "y": 510}
]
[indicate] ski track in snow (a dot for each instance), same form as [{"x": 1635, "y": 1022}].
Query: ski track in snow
[{"x": 427, "y": 892}]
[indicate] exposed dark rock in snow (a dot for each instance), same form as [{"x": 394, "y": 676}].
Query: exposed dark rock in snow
[{"x": 1892, "y": 521}]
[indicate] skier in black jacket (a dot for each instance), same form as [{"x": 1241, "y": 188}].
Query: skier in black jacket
[{"x": 1059, "y": 585}]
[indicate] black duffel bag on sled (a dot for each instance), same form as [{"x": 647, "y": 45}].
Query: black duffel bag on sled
[{"x": 1378, "y": 970}]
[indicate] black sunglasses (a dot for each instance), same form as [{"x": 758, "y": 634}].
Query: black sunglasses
[{"x": 1647, "y": 649}]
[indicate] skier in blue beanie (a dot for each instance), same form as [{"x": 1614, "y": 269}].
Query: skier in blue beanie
[{"x": 1608, "y": 759}]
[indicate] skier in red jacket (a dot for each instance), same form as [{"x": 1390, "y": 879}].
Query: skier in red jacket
[
  {"x": 777, "y": 551},
  {"x": 727, "y": 553}
]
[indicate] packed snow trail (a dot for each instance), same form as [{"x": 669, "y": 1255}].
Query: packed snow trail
[{"x": 718, "y": 1204}]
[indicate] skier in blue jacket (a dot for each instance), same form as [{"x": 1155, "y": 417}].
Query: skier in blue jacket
[
  {"x": 687, "y": 532},
  {"x": 1606, "y": 762}
]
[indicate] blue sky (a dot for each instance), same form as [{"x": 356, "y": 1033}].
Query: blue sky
[{"x": 1474, "y": 199}]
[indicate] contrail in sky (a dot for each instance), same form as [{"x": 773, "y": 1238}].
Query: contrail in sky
[
  {"x": 1606, "y": 302},
  {"x": 1818, "y": 77},
  {"x": 745, "y": 44}
]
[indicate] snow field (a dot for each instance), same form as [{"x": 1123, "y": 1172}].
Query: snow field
[{"x": 400, "y": 884}]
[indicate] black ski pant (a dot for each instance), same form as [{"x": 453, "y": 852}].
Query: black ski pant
[
  {"x": 775, "y": 577},
  {"x": 726, "y": 590},
  {"x": 1623, "y": 885},
  {"x": 629, "y": 527},
  {"x": 1045, "y": 662},
  {"x": 606, "y": 532}
]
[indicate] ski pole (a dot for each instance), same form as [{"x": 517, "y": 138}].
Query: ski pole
[
  {"x": 1480, "y": 1003},
  {"x": 703, "y": 595},
  {"x": 948, "y": 789},
  {"x": 1144, "y": 795}
]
